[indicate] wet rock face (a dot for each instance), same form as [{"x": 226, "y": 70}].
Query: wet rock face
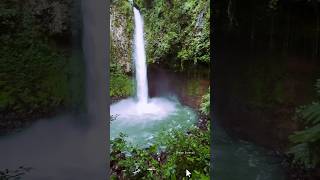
[{"x": 121, "y": 29}]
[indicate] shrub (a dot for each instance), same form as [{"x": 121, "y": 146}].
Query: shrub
[
  {"x": 177, "y": 29},
  {"x": 205, "y": 103},
  {"x": 120, "y": 85},
  {"x": 34, "y": 72},
  {"x": 306, "y": 143},
  {"x": 171, "y": 154}
]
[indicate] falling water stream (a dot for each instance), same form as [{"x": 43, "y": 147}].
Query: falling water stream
[
  {"x": 69, "y": 145},
  {"x": 141, "y": 117},
  {"x": 140, "y": 59},
  {"x": 64, "y": 147}
]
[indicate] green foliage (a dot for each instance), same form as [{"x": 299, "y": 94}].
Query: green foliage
[
  {"x": 133, "y": 160},
  {"x": 125, "y": 9},
  {"x": 171, "y": 154},
  {"x": 121, "y": 33},
  {"x": 205, "y": 103},
  {"x": 307, "y": 141},
  {"x": 124, "y": 5},
  {"x": 178, "y": 29},
  {"x": 120, "y": 85},
  {"x": 189, "y": 150},
  {"x": 34, "y": 74}
]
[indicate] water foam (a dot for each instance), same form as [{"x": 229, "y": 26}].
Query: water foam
[
  {"x": 142, "y": 108},
  {"x": 130, "y": 109}
]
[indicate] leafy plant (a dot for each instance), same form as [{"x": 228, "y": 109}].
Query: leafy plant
[
  {"x": 205, "y": 103},
  {"x": 189, "y": 150},
  {"x": 120, "y": 85},
  {"x": 34, "y": 72},
  {"x": 122, "y": 27},
  {"x": 307, "y": 141},
  {"x": 130, "y": 162},
  {"x": 177, "y": 29},
  {"x": 168, "y": 158}
]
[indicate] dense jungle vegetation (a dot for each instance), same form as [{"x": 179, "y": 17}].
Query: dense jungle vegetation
[
  {"x": 166, "y": 155},
  {"x": 187, "y": 40},
  {"x": 121, "y": 48},
  {"x": 36, "y": 70},
  {"x": 35, "y": 58},
  {"x": 167, "y": 42},
  {"x": 267, "y": 62},
  {"x": 176, "y": 36},
  {"x": 306, "y": 142}
]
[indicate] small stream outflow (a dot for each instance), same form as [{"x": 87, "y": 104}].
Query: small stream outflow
[{"x": 140, "y": 59}]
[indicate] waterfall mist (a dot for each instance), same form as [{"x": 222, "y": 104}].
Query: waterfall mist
[
  {"x": 142, "y": 108},
  {"x": 71, "y": 145},
  {"x": 95, "y": 48},
  {"x": 95, "y": 52},
  {"x": 140, "y": 117}
]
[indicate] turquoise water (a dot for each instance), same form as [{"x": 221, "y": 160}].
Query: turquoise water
[
  {"x": 141, "y": 130},
  {"x": 234, "y": 159},
  {"x": 240, "y": 160}
]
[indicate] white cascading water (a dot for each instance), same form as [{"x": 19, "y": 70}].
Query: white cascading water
[
  {"x": 142, "y": 108},
  {"x": 140, "y": 59},
  {"x": 142, "y": 117}
]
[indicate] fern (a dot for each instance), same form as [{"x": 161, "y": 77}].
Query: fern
[
  {"x": 306, "y": 143},
  {"x": 310, "y": 114}
]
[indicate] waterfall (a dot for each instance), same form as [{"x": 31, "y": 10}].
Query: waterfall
[
  {"x": 140, "y": 59},
  {"x": 141, "y": 118},
  {"x": 144, "y": 108}
]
